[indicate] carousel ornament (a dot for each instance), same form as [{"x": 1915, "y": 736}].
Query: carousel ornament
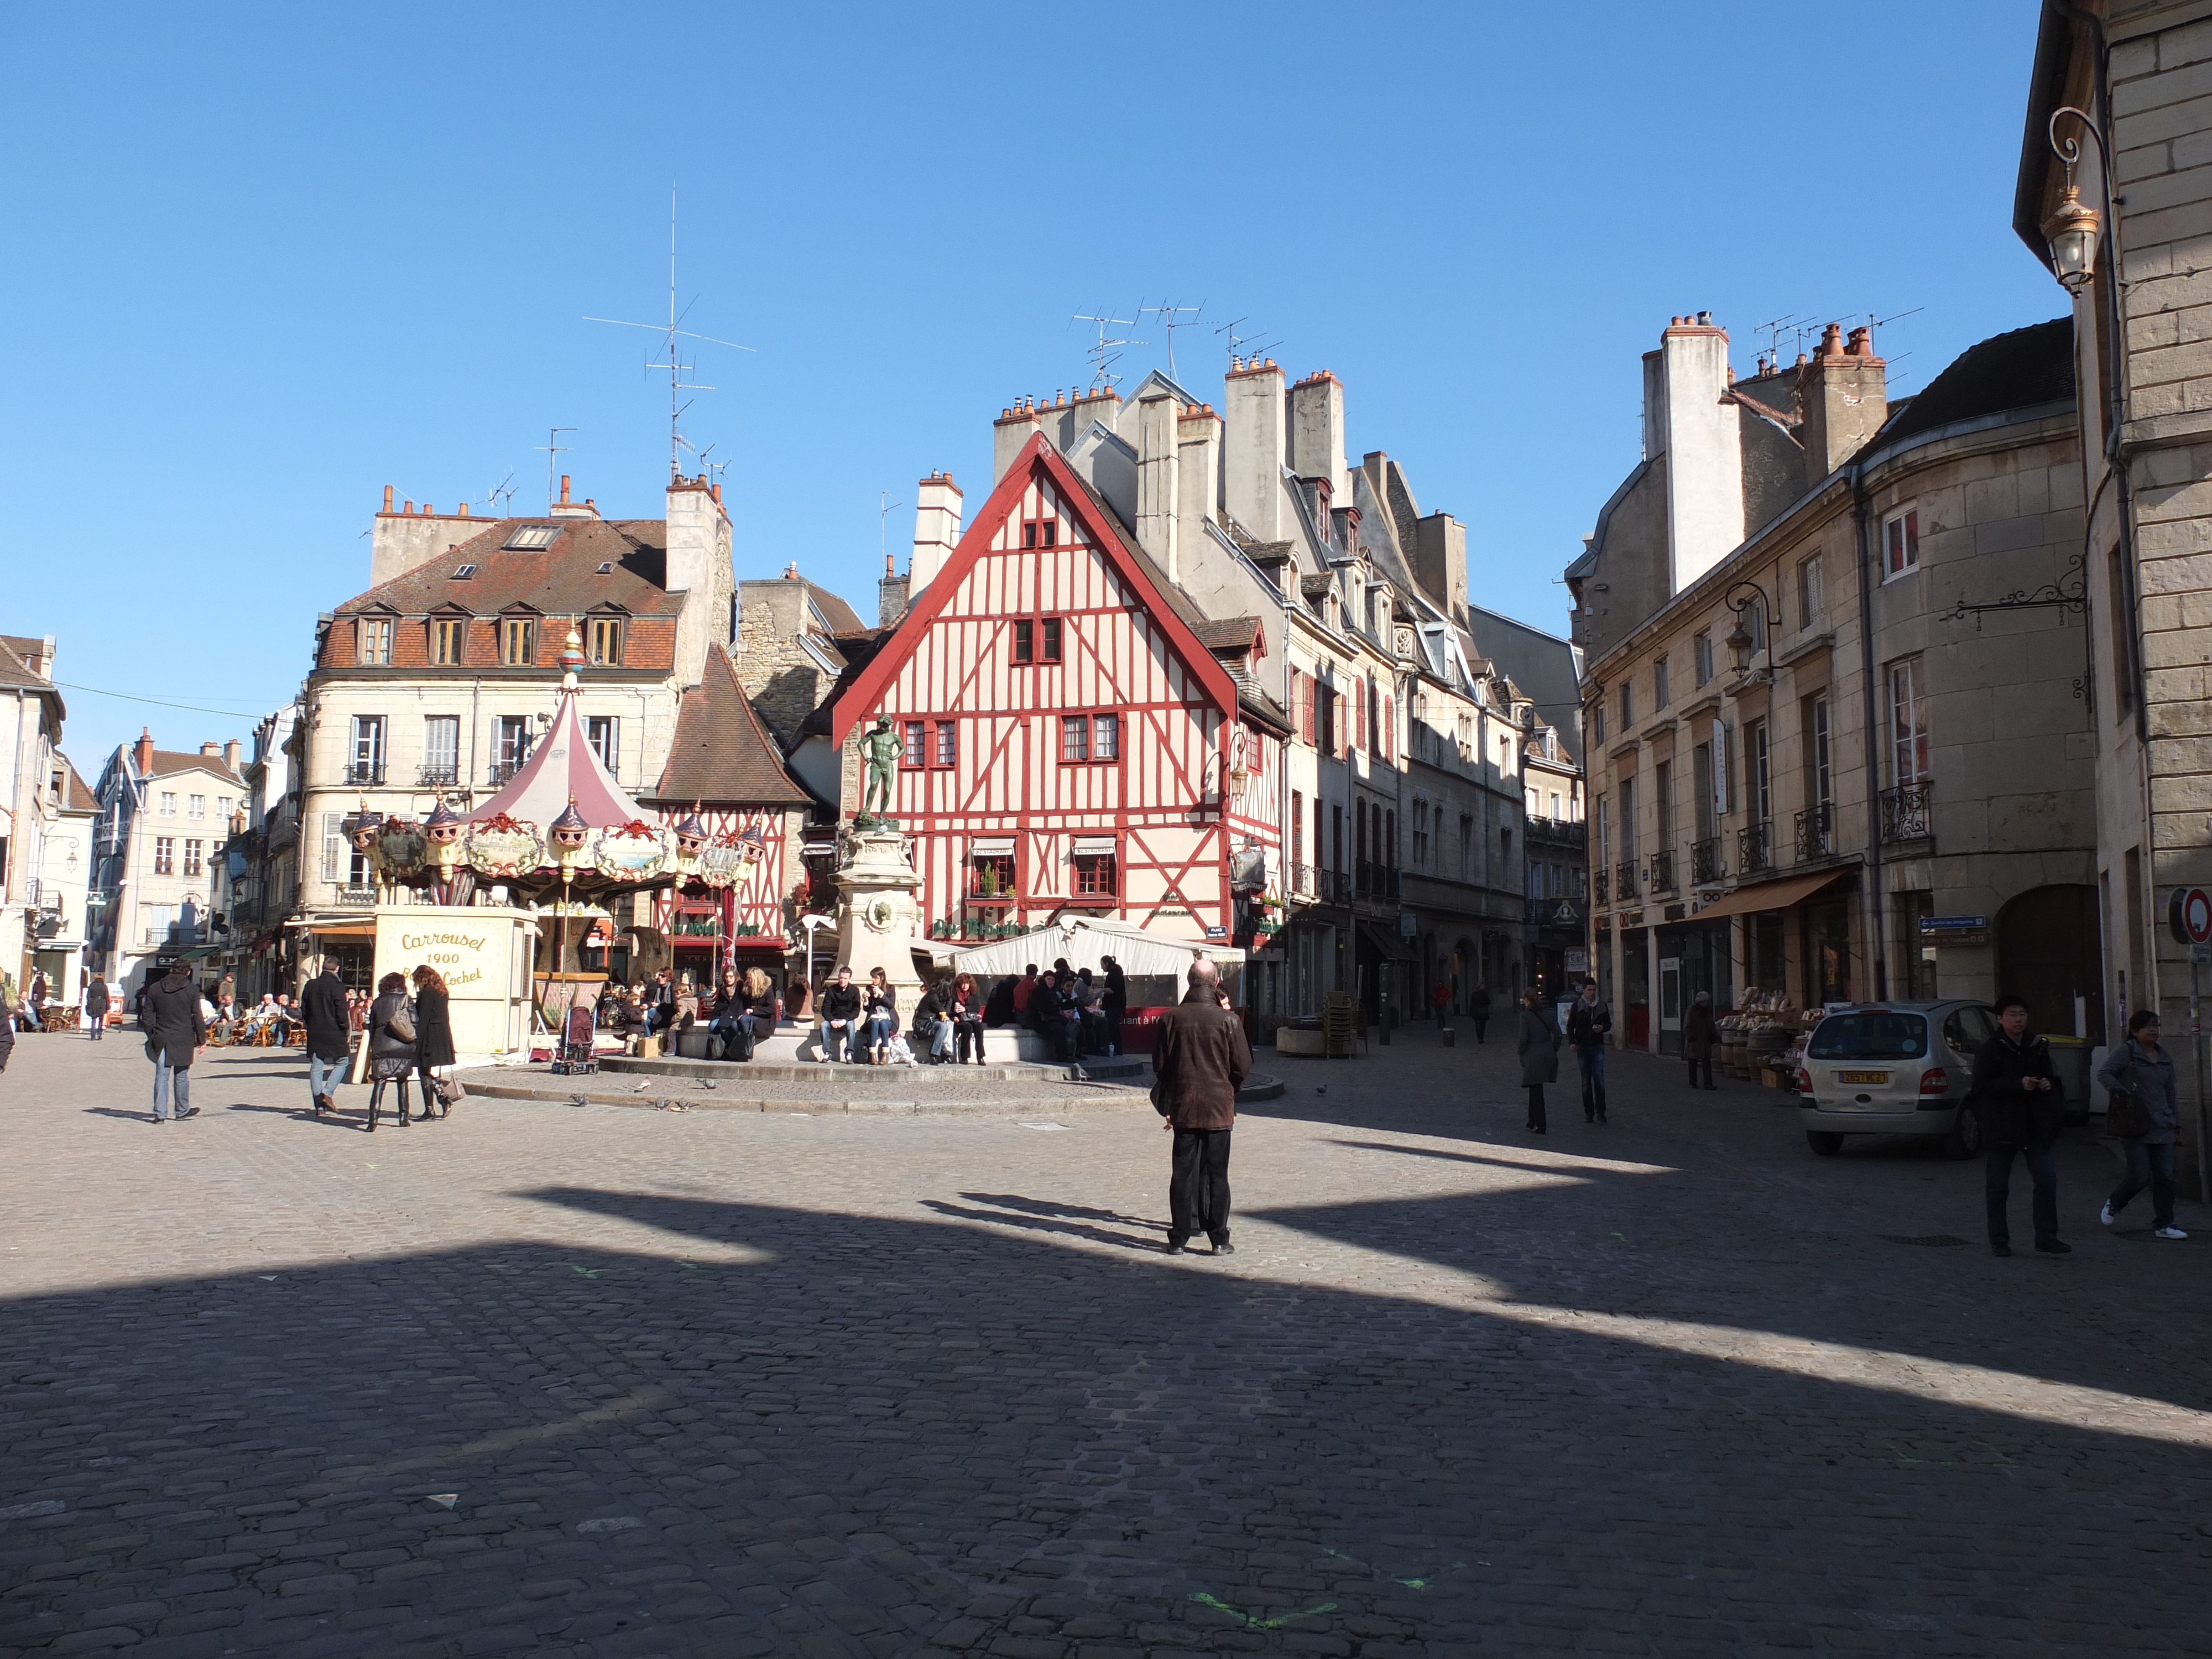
[
  {"x": 691, "y": 840},
  {"x": 572, "y": 659},
  {"x": 568, "y": 833},
  {"x": 634, "y": 852},
  {"x": 501, "y": 847}
]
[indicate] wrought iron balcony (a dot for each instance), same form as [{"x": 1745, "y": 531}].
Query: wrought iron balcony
[
  {"x": 1754, "y": 848},
  {"x": 1908, "y": 811},
  {"x": 1377, "y": 881},
  {"x": 1816, "y": 832},
  {"x": 1600, "y": 886},
  {"x": 503, "y": 772},
  {"x": 1558, "y": 832},
  {"x": 365, "y": 773},
  {"x": 1707, "y": 866},
  {"x": 357, "y": 893},
  {"x": 1304, "y": 880},
  {"x": 1662, "y": 871},
  {"x": 440, "y": 774},
  {"x": 1624, "y": 879}
]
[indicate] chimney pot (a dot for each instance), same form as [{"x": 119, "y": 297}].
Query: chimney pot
[
  {"x": 144, "y": 755},
  {"x": 465, "y": 509},
  {"x": 1860, "y": 343},
  {"x": 409, "y": 507},
  {"x": 718, "y": 495},
  {"x": 564, "y": 486},
  {"x": 387, "y": 498}
]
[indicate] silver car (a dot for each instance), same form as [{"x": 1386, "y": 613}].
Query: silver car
[{"x": 1894, "y": 1068}]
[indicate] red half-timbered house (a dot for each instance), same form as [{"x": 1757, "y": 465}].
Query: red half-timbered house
[{"x": 1076, "y": 735}]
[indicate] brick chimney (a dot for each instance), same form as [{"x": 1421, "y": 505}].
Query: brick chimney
[
  {"x": 1702, "y": 439},
  {"x": 144, "y": 757},
  {"x": 937, "y": 508},
  {"x": 567, "y": 508},
  {"x": 1845, "y": 393},
  {"x": 1253, "y": 449}
]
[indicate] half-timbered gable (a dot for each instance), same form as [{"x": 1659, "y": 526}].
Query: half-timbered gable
[{"x": 1069, "y": 741}]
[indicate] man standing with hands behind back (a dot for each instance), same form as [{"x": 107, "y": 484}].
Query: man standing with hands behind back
[
  {"x": 2020, "y": 1106},
  {"x": 1202, "y": 1060}
]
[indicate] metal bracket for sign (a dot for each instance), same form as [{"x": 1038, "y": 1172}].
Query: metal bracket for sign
[{"x": 2070, "y": 593}]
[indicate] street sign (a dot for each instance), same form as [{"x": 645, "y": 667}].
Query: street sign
[
  {"x": 2189, "y": 915},
  {"x": 1954, "y": 930}
]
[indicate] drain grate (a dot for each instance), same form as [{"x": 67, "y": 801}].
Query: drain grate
[{"x": 1922, "y": 1238}]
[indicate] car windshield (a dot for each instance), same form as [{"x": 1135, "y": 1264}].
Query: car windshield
[{"x": 1874, "y": 1034}]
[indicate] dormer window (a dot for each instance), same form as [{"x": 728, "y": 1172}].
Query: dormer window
[
  {"x": 448, "y": 641},
  {"x": 376, "y": 640},
  {"x": 462, "y": 573},
  {"x": 531, "y": 537},
  {"x": 517, "y": 641},
  {"x": 604, "y": 645}
]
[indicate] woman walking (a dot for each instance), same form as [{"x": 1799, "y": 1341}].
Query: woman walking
[
  {"x": 1698, "y": 1033},
  {"x": 433, "y": 1036},
  {"x": 2139, "y": 1074},
  {"x": 1538, "y": 1045},
  {"x": 882, "y": 1016},
  {"x": 391, "y": 1044}
]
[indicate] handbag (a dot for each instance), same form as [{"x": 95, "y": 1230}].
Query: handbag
[
  {"x": 2125, "y": 1115},
  {"x": 450, "y": 1092},
  {"x": 401, "y": 1024}
]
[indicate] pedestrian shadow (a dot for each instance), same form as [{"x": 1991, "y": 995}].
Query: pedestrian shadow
[
  {"x": 1072, "y": 1221},
  {"x": 128, "y": 1115},
  {"x": 336, "y": 1119},
  {"x": 1561, "y": 1161}
]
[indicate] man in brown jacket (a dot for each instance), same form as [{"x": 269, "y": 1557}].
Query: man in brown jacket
[{"x": 1202, "y": 1060}]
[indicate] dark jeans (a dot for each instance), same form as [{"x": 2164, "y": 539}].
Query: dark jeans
[
  {"x": 1481, "y": 1023},
  {"x": 1996, "y": 1185},
  {"x": 965, "y": 1033},
  {"x": 1589, "y": 1058},
  {"x": 2150, "y": 1166},
  {"x": 1198, "y": 1191},
  {"x": 1707, "y": 1061},
  {"x": 1113, "y": 1030},
  {"x": 1537, "y": 1106},
  {"x": 97, "y": 1022}
]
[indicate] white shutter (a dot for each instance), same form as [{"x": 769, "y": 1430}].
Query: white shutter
[{"x": 333, "y": 846}]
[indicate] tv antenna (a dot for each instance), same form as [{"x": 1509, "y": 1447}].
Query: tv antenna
[
  {"x": 1167, "y": 313},
  {"x": 499, "y": 493},
  {"x": 554, "y": 449},
  {"x": 883, "y": 523},
  {"x": 1243, "y": 345},
  {"x": 674, "y": 362},
  {"x": 1794, "y": 325},
  {"x": 1873, "y": 321},
  {"x": 1104, "y": 354}
]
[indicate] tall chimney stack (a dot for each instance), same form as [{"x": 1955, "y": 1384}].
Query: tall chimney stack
[
  {"x": 936, "y": 508},
  {"x": 1844, "y": 391},
  {"x": 1253, "y": 449},
  {"x": 1317, "y": 434},
  {"x": 1703, "y": 448},
  {"x": 1157, "y": 503},
  {"x": 891, "y": 594},
  {"x": 1198, "y": 475},
  {"x": 144, "y": 757}
]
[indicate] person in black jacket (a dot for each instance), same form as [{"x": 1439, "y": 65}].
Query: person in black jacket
[
  {"x": 1114, "y": 1005},
  {"x": 391, "y": 1053},
  {"x": 169, "y": 1014},
  {"x": 95, "y": 1009},
  {"x": 841, "y": 1018},
  {"x": 2021, "y": 1110},
  {"x": 329, "y": 1034},
  {"x": 433, "y": 1035},
  {"x": 1587, "y": 1021}
]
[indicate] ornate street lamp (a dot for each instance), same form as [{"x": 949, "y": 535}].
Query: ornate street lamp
[
  {"x": 2073, "y": 228},
  {"x": 1740, "y": 643}
]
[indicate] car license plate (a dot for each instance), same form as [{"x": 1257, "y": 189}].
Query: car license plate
[{"x": 1861, "y": 1077}]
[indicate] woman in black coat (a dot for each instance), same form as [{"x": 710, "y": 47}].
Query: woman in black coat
[
  {"x": 391, "y": 1053},
  {"x": 1538, "y": 1045},
  {"x": 434, "y": 1034}
]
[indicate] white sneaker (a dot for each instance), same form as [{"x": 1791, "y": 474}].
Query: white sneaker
[
  {"x": 2106, "y": 1214},
  {"x": 2171, "y": 1232}
]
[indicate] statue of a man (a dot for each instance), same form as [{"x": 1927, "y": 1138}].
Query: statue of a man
[{"x": 881, "y": 750}]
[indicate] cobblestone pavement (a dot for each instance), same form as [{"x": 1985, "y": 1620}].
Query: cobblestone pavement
[{"x": 597, "y": 1381}]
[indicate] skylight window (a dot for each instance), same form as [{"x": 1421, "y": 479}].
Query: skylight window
[
  {"x": 531, "y": 537},
  {"x": 607, "y": 568},
  {"x": 463, "y": 574}
]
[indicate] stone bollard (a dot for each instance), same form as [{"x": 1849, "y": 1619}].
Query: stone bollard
[{"x": 1451, "y": 1037}]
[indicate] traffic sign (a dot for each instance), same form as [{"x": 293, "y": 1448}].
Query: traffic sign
[{"x": 2189, "y": 914}]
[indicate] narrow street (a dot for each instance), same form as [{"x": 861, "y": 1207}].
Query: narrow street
[{"x": 610, "y": 1380}]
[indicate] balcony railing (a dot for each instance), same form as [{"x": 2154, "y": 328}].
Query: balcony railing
[
  {"x": 1908, "y": 811},
  {"x": 357, "y": 894},
  {"x": 1707, "y": 866},
  {"x": 1304, "y": 880},
  {"x": 1601, "y": 886},
  {"x": 1816, "y": 832},
  {"x": 440, "y": 774},
  {"x": 1624, "y": 879},
  {"x": 367, "y": 774},
  {"x": 503, "y": 772},
  {"x": 1377, "y": 881},
  {"x": 1561, "y": 832},
  {"x": 1754, "y": 848},
  {"x": 1662, "y": 871}
]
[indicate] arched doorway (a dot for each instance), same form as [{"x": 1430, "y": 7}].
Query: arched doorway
[{"x": 2048, "y": 950}]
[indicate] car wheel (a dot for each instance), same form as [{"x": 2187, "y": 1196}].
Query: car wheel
[
  {"x": 1827, "y": 1142},
  {"x": 1965, "y": 1138}
]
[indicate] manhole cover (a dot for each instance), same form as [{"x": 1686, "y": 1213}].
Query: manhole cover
[{"x": 1922, "y": 1238}]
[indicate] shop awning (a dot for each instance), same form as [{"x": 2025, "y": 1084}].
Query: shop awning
[
  {"x": 1391, "y": 947},
  {"x": 1769, "y": 896}
]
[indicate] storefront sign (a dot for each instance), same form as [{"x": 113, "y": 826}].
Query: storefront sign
[{"x": 1578, "y": 960}]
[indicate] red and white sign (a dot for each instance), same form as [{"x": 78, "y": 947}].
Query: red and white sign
[{"x": 2190, "y": 916}]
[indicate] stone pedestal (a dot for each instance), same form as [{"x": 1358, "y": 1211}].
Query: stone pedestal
[{"x": 877, "y": 912}]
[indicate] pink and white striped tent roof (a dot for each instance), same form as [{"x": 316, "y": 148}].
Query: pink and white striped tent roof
[{"x": 561, "y": 768}]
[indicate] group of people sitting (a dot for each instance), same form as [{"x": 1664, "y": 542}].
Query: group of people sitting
[
  {"x": 863, "y": 1020},
  {"x": 273, "y": 1020},
  {"x": 735, "y": 1014}
]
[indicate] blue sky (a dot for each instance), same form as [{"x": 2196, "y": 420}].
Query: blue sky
[{"x": 265, "y": 261}]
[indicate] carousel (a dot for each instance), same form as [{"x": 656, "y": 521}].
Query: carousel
[{"x": 523, "y": 879}]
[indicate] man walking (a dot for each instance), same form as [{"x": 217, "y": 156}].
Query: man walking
[
  {"x": 1478, "y": 1010},
  {"x": 175, "y": 1035},
  {"x": 1587, "y": 1025},
  {"x": 1202, "y": 1060},
  {"x": 329, "y": 1034},
  {"x": 2021, "y": 1110},
  {"x": 95, "y": 1008}
]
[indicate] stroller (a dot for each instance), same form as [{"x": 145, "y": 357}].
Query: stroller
[{"x": 574, "y": 1052}]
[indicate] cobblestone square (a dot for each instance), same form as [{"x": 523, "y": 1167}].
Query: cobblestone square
[{"x": 604, "y": 1379}]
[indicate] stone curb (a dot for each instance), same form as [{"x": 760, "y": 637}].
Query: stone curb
[{"x": 1078, "y": 1098}]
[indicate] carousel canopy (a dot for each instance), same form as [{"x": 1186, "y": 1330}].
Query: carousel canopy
[
  {"x": 1084, "y": 941},
  {"x": 562, "y": 769}
]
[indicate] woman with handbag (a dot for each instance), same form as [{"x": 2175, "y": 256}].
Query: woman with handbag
[
  {"x": 391, "y": 1044},
  {"x": 434, "y": 1040},
  {"x": 1538, "y": 1045},
  {"x": 882, "y": 1001},
  {"x": 2145, "y": 1113}
]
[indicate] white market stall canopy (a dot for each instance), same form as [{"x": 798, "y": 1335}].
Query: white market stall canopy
[{"x": 1084, "y": 941}]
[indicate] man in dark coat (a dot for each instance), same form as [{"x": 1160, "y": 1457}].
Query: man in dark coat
[
  {"x": 1114, "y": 1005},
  {"x": 1202, "y": 1060},
  {"x": 2021, "y": 1111},
  {"x": 1589, "y": 1018},
  {"x": 329, "y": 1033},
  {"x": 841, "y": 1018},
  {"x": 175, "y": 1034},
  {"x": 95, "y": 1008}
]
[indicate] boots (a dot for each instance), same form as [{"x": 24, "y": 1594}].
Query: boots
[
  {"x": 375, "y": 1100},
  {"x": 401, "y": 1086}
]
